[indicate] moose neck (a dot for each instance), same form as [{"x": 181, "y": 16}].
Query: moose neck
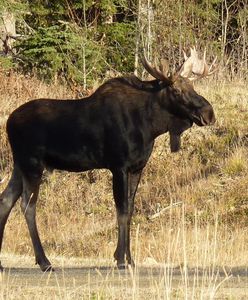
[{"x": 161, "y": 115}]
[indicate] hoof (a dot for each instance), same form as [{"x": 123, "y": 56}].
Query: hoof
[
  {"x": 131, "y": 263},
  {"x": 47, "y": 268},
  {"x": 44, "y": 264},
  {"x": 121, "y": 266}
]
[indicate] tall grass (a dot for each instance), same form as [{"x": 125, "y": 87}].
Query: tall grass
[{"x": 180, "y": 263}]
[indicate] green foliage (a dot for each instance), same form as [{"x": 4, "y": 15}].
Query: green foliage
[
  {"x": 6, "y": 63},
  {"x": 47, "y": 13},
  {"x": 13, "y": 6},
  {"x": 120, "y": 41},
  {"x": 74, "y": 41},
  {"x": 60, "y": 50},
  {"x": 80, "y": 40}
]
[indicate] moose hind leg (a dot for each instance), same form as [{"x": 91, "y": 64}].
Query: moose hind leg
[
  {"x": 28, "y": 206},
  {"x": 8, "y": 199}
]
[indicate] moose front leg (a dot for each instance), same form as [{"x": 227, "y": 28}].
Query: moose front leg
[
  {"x": 124, "y": 187},
  {"x": 133, "y": 182}
]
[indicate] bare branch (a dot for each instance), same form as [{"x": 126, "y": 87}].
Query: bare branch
[{"x": 158, "y": 214}]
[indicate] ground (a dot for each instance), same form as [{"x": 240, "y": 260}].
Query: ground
[{"x": 84, "y": 279}]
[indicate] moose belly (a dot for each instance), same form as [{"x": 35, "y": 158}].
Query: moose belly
[{"x": 74, "y": 161}]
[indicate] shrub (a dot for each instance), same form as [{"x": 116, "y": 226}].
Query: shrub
[
  {"x": 120, "y": 40},
  {"x": 61, "y": 50}
]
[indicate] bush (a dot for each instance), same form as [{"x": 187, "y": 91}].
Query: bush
[
  {"x": 120, "y": 40},
  {"x": 73, "y": 53},
  {"x": 61, "y": 50}
]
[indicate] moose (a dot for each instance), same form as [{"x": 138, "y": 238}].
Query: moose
[{"x": 114, "y": 128}]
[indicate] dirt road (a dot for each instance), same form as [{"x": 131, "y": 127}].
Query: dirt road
[{"x": 106, "y": 282}]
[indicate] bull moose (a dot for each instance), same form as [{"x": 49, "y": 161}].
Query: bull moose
[{"x": 114, "y": 128}]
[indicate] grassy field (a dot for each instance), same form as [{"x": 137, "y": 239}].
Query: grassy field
[{"x": 191, "y": 208}]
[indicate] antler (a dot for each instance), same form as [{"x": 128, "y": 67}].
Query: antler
[
  {"x": 186, "y": 68},
  {"x": 196, "y": 66},
  {"x": 154, "y": 71},
  {"x": 192, "y": 65}
]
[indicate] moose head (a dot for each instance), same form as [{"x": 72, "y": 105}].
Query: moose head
[{"x": 179, "y": 96}]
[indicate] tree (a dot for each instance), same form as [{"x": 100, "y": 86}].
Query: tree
[{"x": 79, "y": 41}]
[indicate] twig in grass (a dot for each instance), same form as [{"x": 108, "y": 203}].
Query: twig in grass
[
  {"x": 2, "y": 180},
  {"x": 213, "y": 294},
  {"x": 158, "y": 214}
]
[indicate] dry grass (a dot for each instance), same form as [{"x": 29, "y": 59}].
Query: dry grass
[
  {"x": 207, "y": 231},
  {"x": 180, "y": 263}
]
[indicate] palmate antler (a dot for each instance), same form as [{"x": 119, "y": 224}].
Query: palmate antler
[
  {"x": 195, "y": 66},
  {"x": 192, "y": 65}
]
